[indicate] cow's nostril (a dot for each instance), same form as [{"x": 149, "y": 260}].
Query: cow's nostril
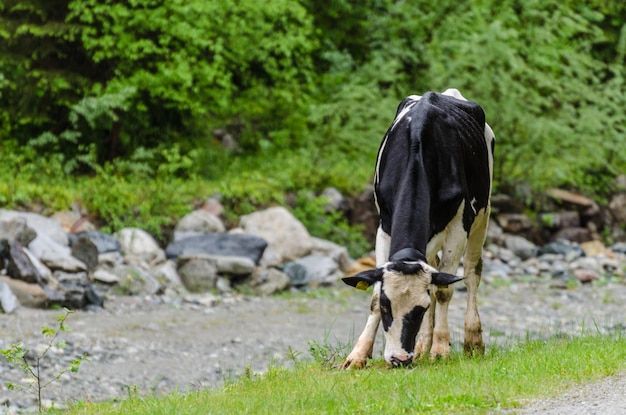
[{"x": 399, "y": 361}]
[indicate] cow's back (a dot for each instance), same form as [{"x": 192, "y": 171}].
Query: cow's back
[{"x": 433, "y": 157}]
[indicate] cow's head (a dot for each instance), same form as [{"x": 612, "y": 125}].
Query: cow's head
[{"x": 403, "y": 299}]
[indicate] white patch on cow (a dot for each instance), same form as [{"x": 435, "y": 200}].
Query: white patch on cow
[
  {"x": 405, "y": 292},
  {"x": 473, "y": 205},
  {"x": 453, "y": 92}
]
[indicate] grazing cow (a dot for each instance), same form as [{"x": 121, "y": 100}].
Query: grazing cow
[{"x": 432, "y": 187}]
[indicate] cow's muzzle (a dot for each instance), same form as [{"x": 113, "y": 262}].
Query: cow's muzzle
[{"x": 401, "y": 361}]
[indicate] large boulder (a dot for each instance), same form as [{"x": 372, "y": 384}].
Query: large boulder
[
  {"x": 221, "y": 244},
  {"x": 200, "y": 221},
  {"x": 41, "y": 224},
  {"x": 139, "y": 245},
  {"x": 286, "y": 236}
]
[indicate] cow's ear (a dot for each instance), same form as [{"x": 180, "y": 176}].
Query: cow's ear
[
  {"x": 364, "y": 279},
  {"x": 441, "y": 278}
]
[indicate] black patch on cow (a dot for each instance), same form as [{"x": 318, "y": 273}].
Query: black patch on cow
[
  {"x": 385, "y": 310},
  {"x": 433, "y": 158},
  {"x": 406, "y": 268},
  {"x": 411, "y": 323},
  {"x": 408, "y": 254}
]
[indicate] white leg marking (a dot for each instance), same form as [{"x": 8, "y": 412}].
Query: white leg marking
[
  {"x": 365, "y": 344},
  {"x": 472, "y": 266}
]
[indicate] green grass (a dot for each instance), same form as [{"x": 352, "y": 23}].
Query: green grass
[{"x": 503, "y": 378}]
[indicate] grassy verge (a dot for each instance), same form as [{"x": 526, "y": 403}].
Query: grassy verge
[{"x": 500, "y": 379}]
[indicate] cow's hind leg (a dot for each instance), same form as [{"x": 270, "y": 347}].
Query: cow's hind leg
[
  {"x": 472, "y": 266},
  {"x": 364, "y": 346}
]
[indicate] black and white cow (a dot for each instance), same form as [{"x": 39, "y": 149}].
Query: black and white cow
[{"x": 432, "y": 189}]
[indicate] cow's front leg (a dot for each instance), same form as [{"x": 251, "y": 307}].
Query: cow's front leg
[
  {"x": 441, "y": 331},
  {"x": 425, "y": 335},
  {"x": 364, "y": 346}
]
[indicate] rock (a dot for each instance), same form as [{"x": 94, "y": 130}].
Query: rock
[
  {"x": 17, "y": 262},
  {"x": 55, "y": 255},
  {"x": 167, "y": 275},
  {"x": 320, "y": 270},
  {"x": 267, "y": 281},
  {"x": 568, "y": 197},
  {"x": 297, "y": 274},
  {"x": 514, "y": 222},
  {"x": 364, "y": 213},
  {"x": 17, "y": 230},
  {"x": 103, "y": 242},
  {"x": 29, "y": 295},
  {"x": 8, "y": 301},
  {"x": 105, "y": 275},
  {"x": 234, "y": 265},
  {"x": 495, "y": 234},
  {"x": 224, "y": 244},
  {"x": 619, "y": 247},
  {"x": 287, "y": 238},
  {"x": 201, "y": 221},
  {"x": 557, "y": 220},
  {"x": 521, "y": 247},
  {"x": 73, "y": 221},
  {"x": 501, "y": 203},
  {"x": 327, "y": 248},
  {"x": 595, "y": 248},
  {"x": 44, "y": 272},
  {"x": 86, "y": 251},
  {"x": 135, "y": 281},
  {"x": 75, "y": 295},
  {"x": 335, "y": 200},
  {"x": 562, "y": 247},
  {"x": 617, "y": 207},
  {"x": 585, "y": 275},
  {"x": 138, "y": 244},
  {"x": 574, "y": 234},
  {"x": 42, "y": 224},
  {"x": 198, "y": 273}
]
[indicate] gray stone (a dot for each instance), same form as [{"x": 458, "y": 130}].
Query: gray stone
[
  {"x": 42, "y": 224},
  {"x": 8, "y": 301},
  {"x": 138, "y": 244},
  {"x": 337, "y": 252},
  {"x": 200, "y": 221},
  {"x": 319, "y": 269},
  {"x": 336, "y": 200},
  {"x": 198, "y": 274},
  {"x": 223, "y": 244},
  {"x": 562, "y": 247},
  {"x": 514, "y": 222},
  {"x": 17, "y": 230},
  {"x": 86, "y": 251},
  {"x": 520, "y": 246},
  {"x": 103, "y": 242},
  {"x": 267, "y": 281},
  {"x": 297, "y": 274},
  {"x": 287, "y": 238},
  {"x": 105, "y": 275},
  {"x": 617, "y": 206},
  {"x": 17, "y": 262},
  {"x": 135, "y": 281},
  {"x": 29, "y": 295},
  {"x": 167, "y": 275}
]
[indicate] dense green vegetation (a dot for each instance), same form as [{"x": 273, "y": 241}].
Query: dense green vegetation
[
  {"x": 123, "y": 106},
  {"x": 502, "y": 379}
]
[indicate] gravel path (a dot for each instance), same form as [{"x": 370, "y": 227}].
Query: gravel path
[{"x": 157, "y": 345}]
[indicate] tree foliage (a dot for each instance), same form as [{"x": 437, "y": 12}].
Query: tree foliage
[{"x": 84, "y": 83}]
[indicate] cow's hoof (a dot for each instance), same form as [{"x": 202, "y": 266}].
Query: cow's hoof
[
  {"x": 474, "y": 349},
  {"x": 353, "y": 364}
]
